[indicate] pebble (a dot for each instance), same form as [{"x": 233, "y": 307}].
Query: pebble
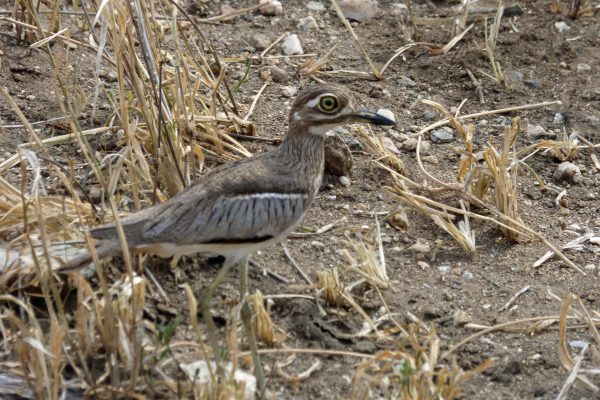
[
  {"x": 420, "y": 248},
  {"x": 442, "y": 135},
  {"x": 359, "y": 10},
  {"x": 109, "y": 76},
  {"x": 398, "y": 220},
  {"x": 583, "y": 67},
  {"x": 291, "y": 45},
  {"x": 307, "y": 23},
  {"x": 387, "y": 113},
  {"x": 338, "y": 157},
  {"x": 389, "y": 144},
  {"x": 270, "y": 8},
  {"x": 315, "y": 6},
  {"x": 561, "y": 26},
  {"x": 593, "y": 121},
  {"x": 461, "y": 318},
  {"x": 398, "y": 9},
  {"x": 590, "y": 196},
  {"x": 578, "y": 344},
  {"x": 590, "y": 267},
  {"x": 289, "y": 91},
  {"x": 559, "y": 118},
  {"x": 533, "y": 83},
  {"x": 273, "y": 73},
  {"x": 345, "y": 181},
  {"x": 430, "y": 115},
  {"x": 259, "y": 41},
  {"x": 353, "y": 143},
  {"x": 30, "y": 97},
  {"x": 567, "y": 172},
  {"x": 425, "y": 147},
  {"x": 467, "y": 275},
  {"x": 423, "y": 265},
  {"x": 444, "y": 269},
  {"x": 406, "y": 81},
  {"x": 318, "y": 245},
  {"x": 535, "y": 131}
]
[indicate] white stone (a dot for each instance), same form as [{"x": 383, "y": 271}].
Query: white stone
[
  {"x": 561, "y": 26},
  {"x": 289, "y": 91},
  {"x": 291, "y": 45},
  {"x": 583, "y": 67},
  {"x": 359, "y": 10},
  {"x": 200, "y": 373},
  {"x": 307, "y": 23},
  {"x": 315, "y": 6},
  {"x": 270, "y": 7},
  {"x": 345, "y": 181}
]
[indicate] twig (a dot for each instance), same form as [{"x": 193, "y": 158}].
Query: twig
[
  {"x": 296, "y": 266},
  {"x": 267, "y": 271},
  {"x": 515, "y": 297}
]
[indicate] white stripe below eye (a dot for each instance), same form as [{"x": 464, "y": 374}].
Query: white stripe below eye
[{"x": 313, "y": 102}]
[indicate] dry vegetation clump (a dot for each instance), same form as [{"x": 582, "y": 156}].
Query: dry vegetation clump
[{"x": 172, "y": 110}]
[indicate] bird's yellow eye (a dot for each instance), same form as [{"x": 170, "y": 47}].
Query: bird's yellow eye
[{"x": 328, "y": 104}]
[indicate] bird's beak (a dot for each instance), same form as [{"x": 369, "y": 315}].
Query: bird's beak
[{"x": 373, "y": 118}]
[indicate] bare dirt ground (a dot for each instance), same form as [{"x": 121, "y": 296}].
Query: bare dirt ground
[{"x": 435, "y": 280}]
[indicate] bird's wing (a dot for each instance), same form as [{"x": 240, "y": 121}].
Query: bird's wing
[
  {"x": 256, "y": 203},
  {"x": 233, "y": 216}
]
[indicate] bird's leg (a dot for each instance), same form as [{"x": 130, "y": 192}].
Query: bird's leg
[
  {"x": 206, "y": 305},
  {"x": 247, "y": 321}
]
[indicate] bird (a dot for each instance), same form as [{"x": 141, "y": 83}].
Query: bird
[{"x": 241, "y": 207}]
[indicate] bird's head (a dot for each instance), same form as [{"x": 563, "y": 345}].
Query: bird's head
[{"x": 319, "y": 108}]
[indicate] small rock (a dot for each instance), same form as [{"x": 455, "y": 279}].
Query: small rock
[
  {"x": 338, "y": 157},
  {"x": 95, "y": 194},
  {"x": 561, "y": 26},
  {"x": 359, "y": 10},
  {"x": 425, "y": 147},
  {"x": 345, "y": 181},
  {"x": 398, "y": 9},
  {"x": 559, "y": 118},
  {"x": 590, "y": 267},
  {"x": 387, "y": 113},
  {"x": 535, "y": 132},
  {"x": 432, "y": 312},
  {"x": 444, "y": 269},
  {"x": 590, "y": 196},
  {"x": 289, "y": 91},
  {"x": 389, "y": 144},
  {"x": 593, "y": 121},
  {"x": 430, "y": 115},
  {"x": 467, "y": 275},
  {"x": 578, "y": 344},
  {"x": 583, "y": 67},
  {"x": 291, "y": 45},
  {"x": 307, "y": 23},
  {"x": 109, "y": 76},
  {"x": 442, "y": 135},
  {"x": 270, "y": 8},
  {"x": 420, "y": 248},
  {"x": 318, "y": 245},
  {"x": 273, "y": 73},
  {"x": 406, "y": 81},
  {"x": 567, "y": 172},
  {"x": 30, "y": 97},
  {"x": 410, "y": 144},
  {"x": 315, "y": 6},
  {"x": 423, "y": 265},
  {"x": 353, "y": 143},
  {"x": 398, "y": 220},
  {"x": 533, "y": 83},
  {"x": 513, "y": 76},
  {"x": 259, "y": 41},
  {"x": 461, "y": 318}
]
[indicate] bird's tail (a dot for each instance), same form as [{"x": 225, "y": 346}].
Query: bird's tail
[{"x": 108, "y": 249}]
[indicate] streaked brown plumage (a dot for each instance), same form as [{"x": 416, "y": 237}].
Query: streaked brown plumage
[{"x": 246, "y": 205}]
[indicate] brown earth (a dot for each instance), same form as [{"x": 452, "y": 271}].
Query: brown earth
[{"x": 542, "y": 64}]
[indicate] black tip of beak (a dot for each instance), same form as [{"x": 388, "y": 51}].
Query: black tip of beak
[{"x": 374, "y": 118}]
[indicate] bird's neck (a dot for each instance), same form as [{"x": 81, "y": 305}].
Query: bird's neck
[{"x": 307, "y": 155}]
